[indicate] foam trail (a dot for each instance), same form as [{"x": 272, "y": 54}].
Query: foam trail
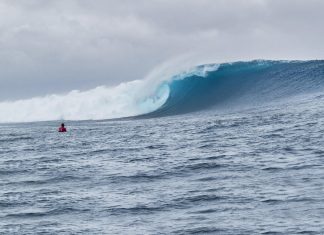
[{"x": 127, "y": 99}]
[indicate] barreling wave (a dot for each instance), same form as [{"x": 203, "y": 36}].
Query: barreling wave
[
  {"x": 242, "y": 84},
  {"x": 203, "y": 87}
]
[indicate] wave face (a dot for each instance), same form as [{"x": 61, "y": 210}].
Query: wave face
[
  {"x": 242, "y": 84},
  {"x": 228, "y": 85}
]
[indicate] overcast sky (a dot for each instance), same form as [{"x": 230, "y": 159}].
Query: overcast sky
[{"x": 55, "y": 46}]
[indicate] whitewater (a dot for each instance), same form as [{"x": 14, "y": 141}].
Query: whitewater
[
  {"x": 127, "y": 99},
  {"x": 230, "y": 148}
]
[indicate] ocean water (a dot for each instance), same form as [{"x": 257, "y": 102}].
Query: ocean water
[{"x": 241, "y": 155}]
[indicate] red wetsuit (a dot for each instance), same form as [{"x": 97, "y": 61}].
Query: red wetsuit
[{"x": 62, "y": 129}]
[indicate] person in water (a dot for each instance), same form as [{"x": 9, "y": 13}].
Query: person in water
[{"x": 62, "y": 128}]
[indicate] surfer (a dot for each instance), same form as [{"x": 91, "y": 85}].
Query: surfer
[{"x": 62, "y": 128}]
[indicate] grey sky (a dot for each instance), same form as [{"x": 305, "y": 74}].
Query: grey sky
[{"x": 55, "y": 46}]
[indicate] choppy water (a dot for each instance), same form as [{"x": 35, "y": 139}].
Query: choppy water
[{"x": 255, "y": 171}]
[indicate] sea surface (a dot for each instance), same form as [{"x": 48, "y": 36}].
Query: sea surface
[
  {"x": 234, "y": 148},
  {"x": 251, "y": 171}
]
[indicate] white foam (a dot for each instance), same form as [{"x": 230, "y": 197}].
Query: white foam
[{"x": 127, "y": 99}]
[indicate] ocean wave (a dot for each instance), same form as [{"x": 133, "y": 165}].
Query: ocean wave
[{"x": 228, "y": 85}]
